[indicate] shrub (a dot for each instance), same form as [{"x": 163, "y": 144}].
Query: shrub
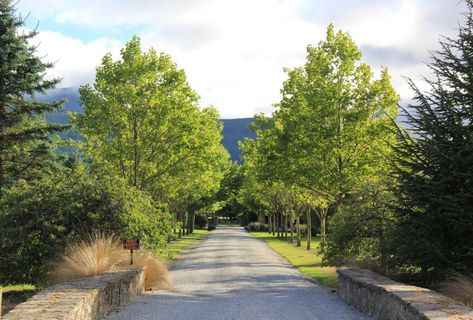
[
  {"x": 59, "y": 209},
  {"x": 359, "y": 232},
  {"x": 256, "y": 226}
]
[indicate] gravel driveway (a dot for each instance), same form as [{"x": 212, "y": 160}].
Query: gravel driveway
[{"x": 233, "y": 275}]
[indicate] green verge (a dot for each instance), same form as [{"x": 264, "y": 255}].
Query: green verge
[
  {"x": 15, "y": 294},
  {"x": 176, "y": 246},
  {"x": 306, "y": 261},
  {"x": 19, "y": 287}
]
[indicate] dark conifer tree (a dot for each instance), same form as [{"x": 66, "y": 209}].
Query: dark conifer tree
[
  {"x": 435, "y": 165},
  {"x": 23, "y": 130}
]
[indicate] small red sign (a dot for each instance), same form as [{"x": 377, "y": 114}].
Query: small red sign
[{"x": 131, "y": 244}]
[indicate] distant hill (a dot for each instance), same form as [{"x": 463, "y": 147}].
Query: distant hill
[
  {"x": 234, "y": 130},
  {"x": 71, "y": 94}
]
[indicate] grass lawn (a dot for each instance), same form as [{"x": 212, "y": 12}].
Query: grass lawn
[
  {"x": 16, "y": 294},
  {"x": 307, "y": 261},
  {"x": 176, "y": 246},
  {"x": 19, "y": 287}
]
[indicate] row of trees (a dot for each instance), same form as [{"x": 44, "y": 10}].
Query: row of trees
[
  {"x": 330, "y": 137},
  {"x": 142, "y": 122},
  {"x": 393, "y": 198},
  {"x": 149, "y": 160}
]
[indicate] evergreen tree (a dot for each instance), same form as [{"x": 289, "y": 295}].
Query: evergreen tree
[
  {"x": 23, "y": 130},
  {"x": 435, "y": 165}
]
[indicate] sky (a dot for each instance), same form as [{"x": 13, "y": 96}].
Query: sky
[{"x": 234, "y": 51}]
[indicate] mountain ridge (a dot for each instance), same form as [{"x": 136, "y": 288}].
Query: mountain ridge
[{"x": 234, "y": 130}]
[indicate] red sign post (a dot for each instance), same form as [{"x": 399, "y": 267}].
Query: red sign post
[{"x": 131, "y": 244}]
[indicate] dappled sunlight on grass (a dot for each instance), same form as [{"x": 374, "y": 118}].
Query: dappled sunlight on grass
[{"x": 306, "y": 261}]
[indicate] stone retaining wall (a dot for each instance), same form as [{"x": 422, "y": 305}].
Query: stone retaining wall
[
  {"x": 83, "y": 299},
  {"x": 383, "y": 298}
]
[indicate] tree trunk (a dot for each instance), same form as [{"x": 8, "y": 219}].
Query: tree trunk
[
  {"x": 135, "y": 151},
  {"x": 278, "y": 224},
  {"x": 298, "y": 230},
  {"x": 322, "y": 215},
  {"x": 291, "y": 225},
  {"x": 188, "y": 223},
  {"x": 193, "y": 222},
  {"x": 285, "y": 227},
  {"x": 179, "y": 225},
  {"x": 323, "y": 229},
  {"x": 269, "y": 224},
  {"x": 175, "y": 224},
  {"x": 309, "y": 228}
]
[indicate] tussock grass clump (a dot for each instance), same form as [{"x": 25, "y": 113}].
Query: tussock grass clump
[
  {"x": 458, "y": 287},
  {"x": 97, "y": 254},
  {"x": 156, "y": 273}
]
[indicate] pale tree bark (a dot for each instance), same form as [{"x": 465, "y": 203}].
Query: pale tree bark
[
  {"x": 309, "y": 227},
  {"x": 322, "y": 213},
  {"x": 291, "y": 225},
  {"x": 278, "y": 226},
  {"x": 285, "y": 226},
  {"x": 179, "y": 214},
  {"x": 298, "y": 231}
]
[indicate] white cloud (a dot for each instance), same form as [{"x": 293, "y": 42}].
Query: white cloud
[
  {"x": 239, "y": 66},
  {"x": 75, "y": 61},
  {"x": 234, "y": 51}
]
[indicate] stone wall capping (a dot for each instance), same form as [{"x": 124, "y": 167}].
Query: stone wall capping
[
  {"x": 386, "y": 299},
  {"x": 83, "y": 299}
]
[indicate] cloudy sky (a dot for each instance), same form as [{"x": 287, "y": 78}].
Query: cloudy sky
[{"x": 233, "y": 51}]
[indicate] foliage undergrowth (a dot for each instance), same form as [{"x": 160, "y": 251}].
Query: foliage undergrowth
[
  {"x": 60, "y": 209},
  {"x": 256, "y": 226}
]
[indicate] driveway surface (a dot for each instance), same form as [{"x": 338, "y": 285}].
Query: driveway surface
[{"x": 233, "y": 275}]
